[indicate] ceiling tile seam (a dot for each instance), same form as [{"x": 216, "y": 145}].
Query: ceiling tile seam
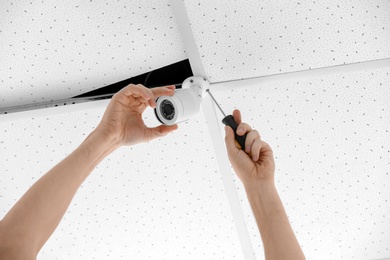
[
  {"x": 191, "y": 49},
  {"x": 218, "y": 86},
  {"x": 188, "y": 38},
  {"x": 50, "y": 111},
  {"x": 317, "y": 72},
  {"x": 226, "y": 174},
  {"x": 86, "y": 46}
]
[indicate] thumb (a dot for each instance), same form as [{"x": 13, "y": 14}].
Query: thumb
[
  {"x": 159, "y": 131},
  {"x": 230, "y": 142}
]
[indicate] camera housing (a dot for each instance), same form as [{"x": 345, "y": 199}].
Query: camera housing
[{"x": 184, "y": 104}]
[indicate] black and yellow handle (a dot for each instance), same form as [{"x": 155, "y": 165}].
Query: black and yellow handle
[{"x": 240, "y": 140}]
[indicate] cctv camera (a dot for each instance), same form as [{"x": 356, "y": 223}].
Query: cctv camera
[{"x": 184, "y": 104}]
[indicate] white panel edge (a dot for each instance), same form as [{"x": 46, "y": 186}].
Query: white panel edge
[
  {"x": 344, "y": 68},
  {"x": 23, "y": 115},
  {"x": 188, "y": 37},
  {"x": 226, "y": 174},
  {"x": 213, "y": 125}
]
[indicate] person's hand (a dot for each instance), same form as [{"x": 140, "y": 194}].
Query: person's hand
[
  {"x": 123, "y": 121},
  {"x": 255, "y": 170}
]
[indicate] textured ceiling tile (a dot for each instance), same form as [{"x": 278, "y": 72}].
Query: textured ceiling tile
[
  {"x": 331, "y": 141},
  {"x": 158, "y": 200},
  {"x": 56, "y": 49},
  {"x": 254, "y": 38}
]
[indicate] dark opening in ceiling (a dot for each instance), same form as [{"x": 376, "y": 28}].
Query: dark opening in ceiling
[{"x": 173, "y": 74}]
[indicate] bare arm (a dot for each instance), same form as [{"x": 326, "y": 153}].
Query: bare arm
[
  {"x": 277, "y": 235},
  {"x": 256, "y": 168},
  {"x": 32, "y": 220}
]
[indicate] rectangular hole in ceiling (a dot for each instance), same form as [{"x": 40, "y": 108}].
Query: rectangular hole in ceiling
[{"x": 173, "y": 74}]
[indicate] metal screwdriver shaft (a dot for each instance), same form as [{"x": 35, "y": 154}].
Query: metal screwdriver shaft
[
  {"x": 229, "y": 121},
  {"x": 216, "y": 102}
]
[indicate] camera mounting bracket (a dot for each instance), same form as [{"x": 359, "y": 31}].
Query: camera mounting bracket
[{"x": 198, "y": 84}]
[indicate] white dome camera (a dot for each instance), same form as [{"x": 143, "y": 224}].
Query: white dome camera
[{"x": 184, "y": 104}]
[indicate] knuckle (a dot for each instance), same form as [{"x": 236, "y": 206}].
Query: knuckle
[
  {"x": 252, "y": 135},
  {"x": 248, "y": 145},
  {"x": 244, "y": 126},
  {"x": 149, "y": 91},
  {"x": 258, "y": 142}
]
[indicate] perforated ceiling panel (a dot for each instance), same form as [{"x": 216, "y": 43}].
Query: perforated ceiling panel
[
  {"x": 59, "y": 49},
  {"x": 159, "y": 200},
  {"x": 241, "y": 40},
  {"x": 165, "y": 199},
  {"x": 331, "y": 141}
]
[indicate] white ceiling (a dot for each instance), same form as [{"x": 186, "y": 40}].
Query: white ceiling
[
  {"x": 237, "y": 40},
  {"x": 331, "y": 140},
  {"x": 165, "y": 199},
  {"x": 160, "y": 200},
  {"x": 56, "y": 49}
]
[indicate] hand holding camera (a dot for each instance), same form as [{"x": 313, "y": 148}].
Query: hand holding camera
[
  {"x": 122, "y": 120},
  {"x": 184, "y": 104}
]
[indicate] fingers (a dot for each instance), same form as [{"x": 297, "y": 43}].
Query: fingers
[
  {"x": 253, "y": 141},
  {"x": 230, "y": 143},
  {"x": 266, "y": 151},
  {"x": 237, "y": 116},
  {"x": 243, "y": 128},
  {"x": 161, "y": 91},
  {"x": 261, "y": 148},
  {"x": 159, "y": 131},
  {"x": 251, "y": 137},
  {"x": 254, "y": 146},
  {"x": 255, "y": 149},
  {"x": 145, "y": 94},
  {"x": 136, "y": 90}
]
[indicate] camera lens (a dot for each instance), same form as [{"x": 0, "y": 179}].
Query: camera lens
[{"x": 167, "y": 109}]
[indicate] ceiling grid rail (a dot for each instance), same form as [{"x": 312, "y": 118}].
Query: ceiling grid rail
[
  {"x": 182, "y": 13},
  {"x": 317, "y": 72},
  {"x": 188, "y": 39},
  {"x": 190, "y": 46}
]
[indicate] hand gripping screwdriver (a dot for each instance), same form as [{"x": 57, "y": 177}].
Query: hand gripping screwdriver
[{"x": 229, "y": 121}]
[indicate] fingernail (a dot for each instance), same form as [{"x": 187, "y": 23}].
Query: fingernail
[{"x": 240, "y": 130}]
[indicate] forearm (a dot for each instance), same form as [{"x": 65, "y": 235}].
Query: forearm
[
  {"x": 36, "y": 215},
  {"x": 277, "y": 235}
]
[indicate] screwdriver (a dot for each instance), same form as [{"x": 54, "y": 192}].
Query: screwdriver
[{"x": 229, "y": 121}]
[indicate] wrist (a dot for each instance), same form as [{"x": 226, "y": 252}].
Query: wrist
[
  {"x": 263, "y": 190},
  {"x": 99, "y": 144},
  {"x": 259, "y": 186},
  {"x": 107, "y": 137},
  {"x": 264, "y": 200}
]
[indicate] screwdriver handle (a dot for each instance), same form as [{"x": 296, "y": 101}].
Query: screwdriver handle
[{"x": 240, "y": 140}]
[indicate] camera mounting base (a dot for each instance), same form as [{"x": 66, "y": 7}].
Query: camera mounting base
[{"x": 198, "y": 84}]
